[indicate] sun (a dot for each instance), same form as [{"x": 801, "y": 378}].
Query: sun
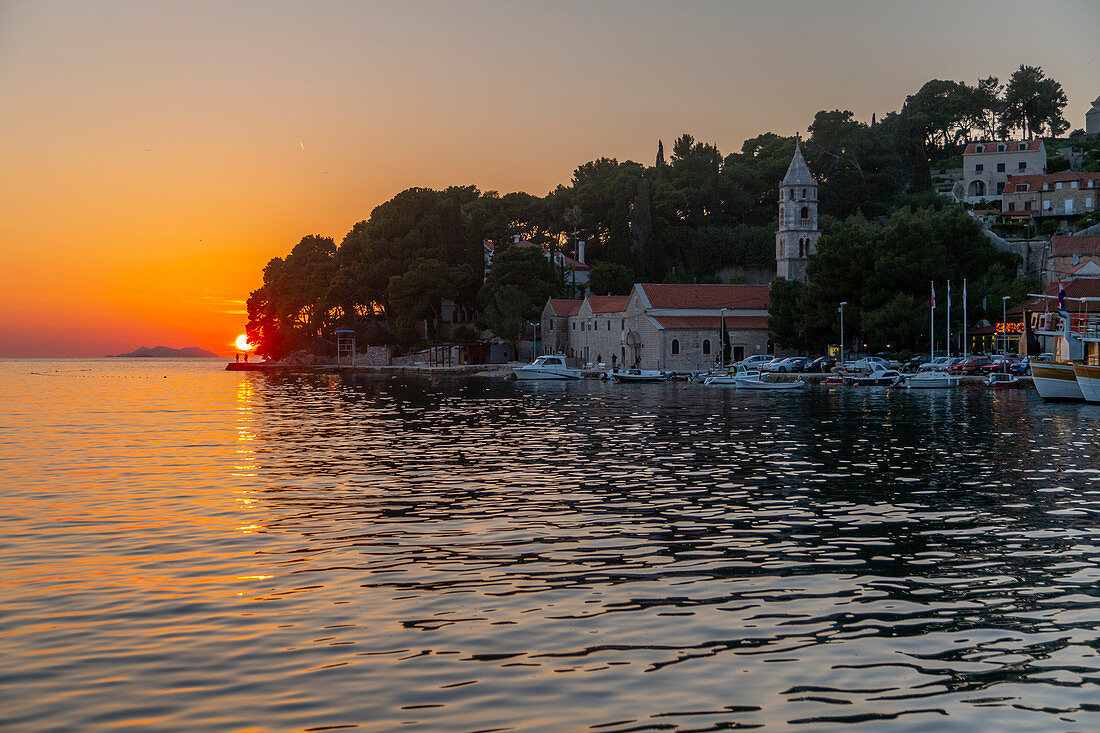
[{"x": 242, "y": 343}]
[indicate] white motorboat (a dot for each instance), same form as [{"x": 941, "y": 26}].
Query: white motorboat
[
  {"x": 877, "y": 378},
  {"x": 1056, "y": 382},
  {"x": 640, "y": 375},
  {"x": 761, "y": 384},
  {"x": 731, "y": 379},
  {"x": 1001, "y": 380},
  {"x": 547, "y": 367},
  {"x": 929, "y": 380}
]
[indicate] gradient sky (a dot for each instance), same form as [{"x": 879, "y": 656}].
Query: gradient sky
[{"x": 154, "y": 156}]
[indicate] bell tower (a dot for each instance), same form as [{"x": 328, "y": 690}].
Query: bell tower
[{"x": 798, "y": 232}]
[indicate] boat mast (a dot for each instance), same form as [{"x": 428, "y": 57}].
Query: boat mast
[{"x": 933, "y": 312}]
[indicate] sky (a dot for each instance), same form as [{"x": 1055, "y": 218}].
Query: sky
[{"x": 155, "y": 156}]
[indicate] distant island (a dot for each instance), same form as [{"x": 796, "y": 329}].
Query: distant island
[{"x": 188, "y": 352}]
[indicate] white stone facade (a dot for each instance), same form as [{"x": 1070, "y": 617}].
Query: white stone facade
[
  {"x": 987, "y": 166},
  {"x": 798, "y": 231}
]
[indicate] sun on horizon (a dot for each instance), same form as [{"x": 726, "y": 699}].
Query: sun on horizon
[{"x": 242, "y": 343}]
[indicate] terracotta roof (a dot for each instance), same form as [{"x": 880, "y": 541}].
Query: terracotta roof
[
  {"x": 564, "y": 308},
  {"x": 1036, "y": 180},
  {"x": 1081, "y": 264},
  {"x": 1067, "y": 246},
  {"x": 734, "y": 323},
  {"x": 1012, "y": 146},
  {"x": 1084, "y": 287},
  {"x": 669, "y": 295},
  {"x": 608, "y": 303}
]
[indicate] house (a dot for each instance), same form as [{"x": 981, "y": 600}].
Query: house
[
  {"x": 1051, "y": 194},
  {"x": 1092, "y": 118},
  {"x": 576, "y": 271},
  {"x": 555, "y": 324},
  {"x": 675, "y": 327},
  {"x": 1069, "y": 255},
  {"x": 987, "y": 165}
]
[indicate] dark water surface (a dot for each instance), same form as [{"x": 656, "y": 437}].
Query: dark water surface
[{"x": 187, "y": 549}]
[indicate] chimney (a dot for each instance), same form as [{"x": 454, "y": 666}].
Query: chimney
[{"x": 580, "y": 251}]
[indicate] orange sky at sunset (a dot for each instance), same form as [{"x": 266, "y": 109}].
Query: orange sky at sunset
[{"x": 156, "y": 155}]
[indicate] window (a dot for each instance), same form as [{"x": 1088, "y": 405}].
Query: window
[
  {"x": 574, "y": 325},
  {"x": 675, "y": 346},
  {"x": 551, "y": 324},
  {"x": 622, "y": 324},
  {"x": 1022, "y": 166},
  {"x": 1000, "y": 187},
  {"x": 1046, "y": 185},
  {"x": 1058, "y": 185},
  {"x": 802, "y": 248},
  {"x": 706, "y": 346},
  {"x": 805, "y": 212},
  {"x": 1091, "y": 183},
  {"x": 979, "y": 149},
  {"x": 979, "y": 167},
  {"x": 1021, "y": 187},
  {"x": 609, "y": 325},
  {"x": 803, "y": 193},
  {"x": 1073, "y": 184},
  {"x": 1023, "y": 146},
  {"x": 792, "y": 195},
  {"x": 1027, "y": 206},
  {"x": 1012, "y": 207},
  {"x": 1000, "y": 167},
  {"x": 1001, "y": 147}
]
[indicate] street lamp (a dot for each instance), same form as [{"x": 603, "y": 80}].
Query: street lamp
[
  {"x": 840, "y": 364},
  {"x": 1004, "y": 323}
]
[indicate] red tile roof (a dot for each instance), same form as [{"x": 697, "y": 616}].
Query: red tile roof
[
  {"x": 1067, "y": 246},
  {"x": 564, "y": 308},
  {"x": 668, "y": 295},
  {"x": 1036, "y": 180},
  {"x": 608, "y": 303},
  {"x": 1012, "y": 146},
  {"x": 710, "y": 323},
  {"x": 1084, "y": 287}
]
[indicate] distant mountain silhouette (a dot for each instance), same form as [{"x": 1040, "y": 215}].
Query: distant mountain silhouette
[{"x": 167, "y": 351}]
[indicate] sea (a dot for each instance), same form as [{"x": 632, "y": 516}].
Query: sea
[{"x": 188, "y": 549}]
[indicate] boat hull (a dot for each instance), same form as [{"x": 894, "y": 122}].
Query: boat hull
[
  {"x": 542, "y": 375},
  {"x": 773, "y": 386},
  {"x": 1056, "y": 382},
  {"x": 1088, "y": 379},
  {"x": 931, "y": 382}
]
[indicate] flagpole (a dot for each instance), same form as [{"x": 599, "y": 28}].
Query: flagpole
[
  {"x": 966, "y": 349},
  {"x": 932, "y": 310},
  {"x": 948, "y": 351}
]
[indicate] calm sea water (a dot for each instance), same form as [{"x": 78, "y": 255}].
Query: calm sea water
[{"x": 183, "y": 548}]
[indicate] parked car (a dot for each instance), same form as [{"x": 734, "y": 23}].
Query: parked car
[
  {"x": 970, "y": 365},
  {"x": 915, "y": 363},
  {"x": 1001, "y": 364},
  {"x": 867, "y": 364},
  {"x": 773, "y": 365},
  {"x": 821, "y": 364},
  {"x": 754, "y": 361},
  {"x": 794, "y": 364},
  {"x": 936, "y": 365}
]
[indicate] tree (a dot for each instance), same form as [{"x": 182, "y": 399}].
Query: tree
[
  {"x": 420, "y": 292},
  {"x": 516, "y": 290},
  {"x": 291, "y": 309},
  {"x": 607, "y": 278},
  {"x": 1034, "y": 103}
]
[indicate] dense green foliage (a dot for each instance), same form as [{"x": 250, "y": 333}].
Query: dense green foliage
[
  {"x": 884, "y": 272},
  {"x": 685, "y": 218}
]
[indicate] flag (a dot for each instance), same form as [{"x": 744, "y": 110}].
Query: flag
[
  {"x": 933, "y": 294},
  {"x": 1061, "y": 296}
]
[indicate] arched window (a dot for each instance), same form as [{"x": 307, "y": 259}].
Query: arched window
[
  {"x": 802, "y": 248},
  {"x": 803, "y": 193},
  {"x": 805, "y": 212},
  {"x": 706, "y": 346},
  {"x": 675, "y": 346},
  {"x": 792, "y": 195}
]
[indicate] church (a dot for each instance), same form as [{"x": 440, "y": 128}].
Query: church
[
  {"x": 685, "y": 327},
  {"x": 798, "y": 231}
]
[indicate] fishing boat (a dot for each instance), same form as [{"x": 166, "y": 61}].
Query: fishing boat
[
  {"x": 547, "y": 367},
  {"x": 1000, "y": 380},
  {"x": 637, "y": 376},
  {"x": 929, "y": 380},
  {"x": 877, "y": 378},
  {"x": 731, "y": 378},
  {"x": 1056, "y": 381},
  {"x": 761, "y": 384}
]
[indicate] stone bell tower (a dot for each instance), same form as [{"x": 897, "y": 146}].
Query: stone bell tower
[{"x": 798, "y": 233}]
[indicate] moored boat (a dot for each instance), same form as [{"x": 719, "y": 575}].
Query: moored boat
[
  {"x": 1088, "y": 381},
  {"x": 761, "y": 384},
  {"x": 929, "y": 380},
  {"x": 1056, "y": 382},
  {"x": 632, "y": 376},
  {"x": 877, "y": 378},
  {"x": 547, "y": 367},
  {"x": 1001, "y": 380}
]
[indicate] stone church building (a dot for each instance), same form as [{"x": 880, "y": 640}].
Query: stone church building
[{"x": 798, "y": 231}]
